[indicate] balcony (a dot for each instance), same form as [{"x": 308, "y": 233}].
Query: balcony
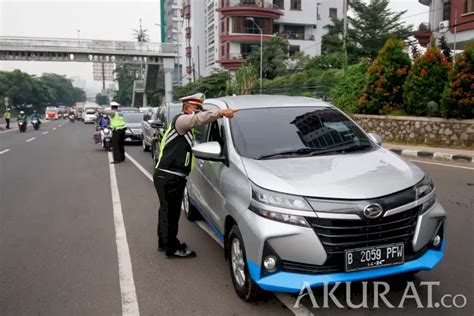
[
  {"x": 189, "y": 69},
  {"x": 423, "y": 35},
  {"x": 188, "y": 51},
  {"x": 188, "y": 32},
  {"x": 297, "y": 36},
  {"x": 245, "y": 8},
  {"x": 244, "y": 37},
  {"x": 187, "y": 10},
  {"x": 231, "y": 61}
]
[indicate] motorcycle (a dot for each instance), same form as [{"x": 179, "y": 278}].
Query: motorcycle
[
  {"x": 72, "y": 118},
  {"x": 22, "y": 126},
  {"x": 36, "y": 124},
  {"x": 106, "y": 138}
]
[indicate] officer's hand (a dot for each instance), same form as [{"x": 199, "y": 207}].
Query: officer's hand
[{"x": 229, "y": 113}]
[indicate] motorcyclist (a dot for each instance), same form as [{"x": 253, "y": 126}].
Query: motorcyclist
[
  {"x": 35, "y": 116},
  {"x": 104, "y": 121},
  {"x": 21, "y": 116}
]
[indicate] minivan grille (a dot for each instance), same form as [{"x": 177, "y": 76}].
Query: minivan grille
[{"x": 338, "y": 235}]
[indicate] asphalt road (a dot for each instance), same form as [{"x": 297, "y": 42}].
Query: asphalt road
[{"x": 60, "y": 253}]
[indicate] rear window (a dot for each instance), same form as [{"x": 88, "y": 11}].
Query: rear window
[{"x": 90, "y": 112}]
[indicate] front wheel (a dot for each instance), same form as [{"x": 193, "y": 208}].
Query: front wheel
[
  {"x": 190, "y": 211},
  {"x": 244, "y": 286}
]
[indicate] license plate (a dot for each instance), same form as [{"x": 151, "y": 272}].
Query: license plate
[{"x": 374, "y": 257}]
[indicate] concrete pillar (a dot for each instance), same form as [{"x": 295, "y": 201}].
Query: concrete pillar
[{"x": 168, "y": 67}]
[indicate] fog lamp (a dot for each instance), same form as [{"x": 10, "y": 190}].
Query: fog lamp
[
  {"x": 270, "y": 263},
  {"x": 437, "y": 241}
]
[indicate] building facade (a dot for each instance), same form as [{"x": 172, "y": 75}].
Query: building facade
[
  {"x": 171, "y": 32},
  {"x": 219, "y": 34},
  {"x": 453, "y": 18}
]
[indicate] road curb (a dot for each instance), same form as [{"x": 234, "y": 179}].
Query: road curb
[{"x": 433, "y": 155}]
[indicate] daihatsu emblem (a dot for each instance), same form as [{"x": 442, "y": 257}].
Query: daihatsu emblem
[{"x": 373, "y": 210}]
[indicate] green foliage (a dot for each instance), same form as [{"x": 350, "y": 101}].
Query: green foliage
[
  {"x": 324, "y": 62},
  {"x": 432, "y": 109},
  {"x": 275, "y": 55},
  {"x": 332, "y": 44},
  {"x": 49, "y": 89},
  {"x": 374, "y": 23},
  {"x": 347, "y": 92},
  {"x": 443, "y": 45},
  {"x": 245, "y": 80},
  {"x": 458, "y": 96},
  {"x": 384, "y": 80},
  {"x": 125, "y": 74},
  {"x": 426, "y": 81},
  {"x": 213, "y": 86},
  {"x": 101, "y": 99}
]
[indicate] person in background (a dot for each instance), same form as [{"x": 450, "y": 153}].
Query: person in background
[
  {"x": 7, "y": 116},
  {"x": 21, "y": 116},
  {"x": 118, "y": 126},
  {"x": 35, "y": 116}
]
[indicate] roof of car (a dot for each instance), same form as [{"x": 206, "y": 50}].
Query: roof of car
[{"x": 265, "y": 101}]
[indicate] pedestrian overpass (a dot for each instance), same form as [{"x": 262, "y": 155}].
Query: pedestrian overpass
[{"x": 152, "y": 55}]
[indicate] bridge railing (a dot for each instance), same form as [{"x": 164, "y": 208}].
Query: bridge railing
[{"x": 86, "y": 45}]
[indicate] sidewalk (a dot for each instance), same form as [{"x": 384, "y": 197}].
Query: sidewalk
[{"x": 432, "y": 152}]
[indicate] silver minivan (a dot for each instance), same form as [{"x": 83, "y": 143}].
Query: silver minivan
[{"x": 298, "y": 192}]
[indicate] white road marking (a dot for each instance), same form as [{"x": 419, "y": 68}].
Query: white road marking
[
  {"x": 127, "y": 283},
  {"x": 287, "y": 299},
  {"x": 44, "y": 133},
  {"x": 54, "y": 128},
  {"x": 4, "y": 151},
  {"x": 29, "y": 140},
  {"x": 442, "y": 164},
  {"x": 9, "y": 130}
]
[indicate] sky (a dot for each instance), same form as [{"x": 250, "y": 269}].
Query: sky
[{"x": 103, "y": 19}]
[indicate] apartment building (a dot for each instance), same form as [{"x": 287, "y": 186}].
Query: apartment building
[
  {"x": 219, "y": 34},
  {"x": 453, "y": 18},
  {"x": 171, "y": 32}
]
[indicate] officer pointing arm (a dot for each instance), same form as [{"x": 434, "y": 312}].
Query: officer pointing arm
[{"x": 174, "y": 165}]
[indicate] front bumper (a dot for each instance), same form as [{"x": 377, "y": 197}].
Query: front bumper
[
  {"x": 302, "y": 245},
  {"x": 289, "y": 282}
]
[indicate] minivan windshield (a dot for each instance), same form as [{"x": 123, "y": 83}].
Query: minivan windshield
[{"x": 295, "y": 131}]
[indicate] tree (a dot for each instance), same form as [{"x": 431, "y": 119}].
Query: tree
[
  {"x": 275, "y": 53},
  {"x": 245, "y": 80},
  {"x": 414, "y": 50},
  {"x": 79, "y": 95},
  {"x": 214, "y": 85},
  {"x": 443, "y": 45},
  {"x": 141, "y": 35},
  {"x": 385, "y": 77},
  {"x": 347, "y": 92},
  {"x": 458, "y": 96},
  {"x": 101, "y": 99},
  {"x": 125, "y": 74},
  {"x": 64, "y": 90},
  {"x": 373, "y": 24},
  {"x": 426, "y": 81},
  {"x": 332, "y": 44}
]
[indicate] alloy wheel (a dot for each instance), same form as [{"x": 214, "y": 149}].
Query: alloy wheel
[{"x": 238, "y": 263}]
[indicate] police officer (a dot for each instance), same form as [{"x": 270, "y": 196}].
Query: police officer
[
  {"x": 7, "y": 116},
  {"x": 118, "y": 126},
  {"x": 174, "y": 164}
]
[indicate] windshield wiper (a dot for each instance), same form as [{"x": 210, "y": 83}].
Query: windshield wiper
[
  {"x": 344, "y": 149},
  {"x": 297, "y": 152}
]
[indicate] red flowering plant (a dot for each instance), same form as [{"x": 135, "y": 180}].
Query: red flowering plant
[
  {"x": 384, "y": 79},
  {"x": 426, "y": 81},
  {"x": 458, "y": 97}
]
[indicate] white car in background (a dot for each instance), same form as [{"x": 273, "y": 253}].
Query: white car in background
[{"x": 89, "y": 115}]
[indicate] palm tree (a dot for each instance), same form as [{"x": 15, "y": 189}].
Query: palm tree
[{"x": 141, "y": 34}]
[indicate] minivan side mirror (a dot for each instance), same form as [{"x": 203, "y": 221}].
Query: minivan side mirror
[
  {"x": 156, "y": 123},
  {"x": 376, "y": 138},
  {"x": 208, "y": 151}
]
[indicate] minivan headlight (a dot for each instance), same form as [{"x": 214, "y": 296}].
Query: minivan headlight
[
  {"x": 424, "y": 187},
  {"x": 277, "y": 199}
]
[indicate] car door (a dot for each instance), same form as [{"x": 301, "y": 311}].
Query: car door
[{"x": 147, "y": 128}]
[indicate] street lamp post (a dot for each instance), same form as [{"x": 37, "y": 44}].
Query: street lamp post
[{"x": 261, "y": 51}]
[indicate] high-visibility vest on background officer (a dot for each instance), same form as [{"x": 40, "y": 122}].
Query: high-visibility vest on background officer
[
  {"x": 7, "y": 116},
  {"x": 174, "y": 165},
  {"x": 118, "y": 126}
]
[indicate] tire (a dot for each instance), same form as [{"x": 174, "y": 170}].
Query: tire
[
  {"x": 244, "y": 286},
  {"x": 189, "y": 210},
  {"x": 144, "y": 145}
]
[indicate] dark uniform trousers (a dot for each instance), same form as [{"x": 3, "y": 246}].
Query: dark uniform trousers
[
  {"x": 8, "y": 123},
  {"x": 118, "y": 144},
  {"x": 170, "y": 189}
]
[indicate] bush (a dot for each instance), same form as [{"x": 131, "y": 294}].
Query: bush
[
  {"x": 213, "y": 86},
  {"x": 384, "y": 79},
  {"x": 345, "y": 95},
  {"x": 426, "y": 81},
  {"x": 458, "y": 96}
]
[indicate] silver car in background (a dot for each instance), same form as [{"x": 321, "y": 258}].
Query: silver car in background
[
  {"x": 134, "y": 131},
  {"x": 299, "y": 193}
]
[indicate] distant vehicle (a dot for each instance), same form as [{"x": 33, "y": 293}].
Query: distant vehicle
[
  {"x": 165, "y": 114},
  {"x": 128, "y": 110},
  {"x": 89, "y": 115},
  {"x": 148, "y": 131},
  {"x": 145, "y": 109},
  {"x": 134, "y": 126},
  {"x": 51, "y": 113}
]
